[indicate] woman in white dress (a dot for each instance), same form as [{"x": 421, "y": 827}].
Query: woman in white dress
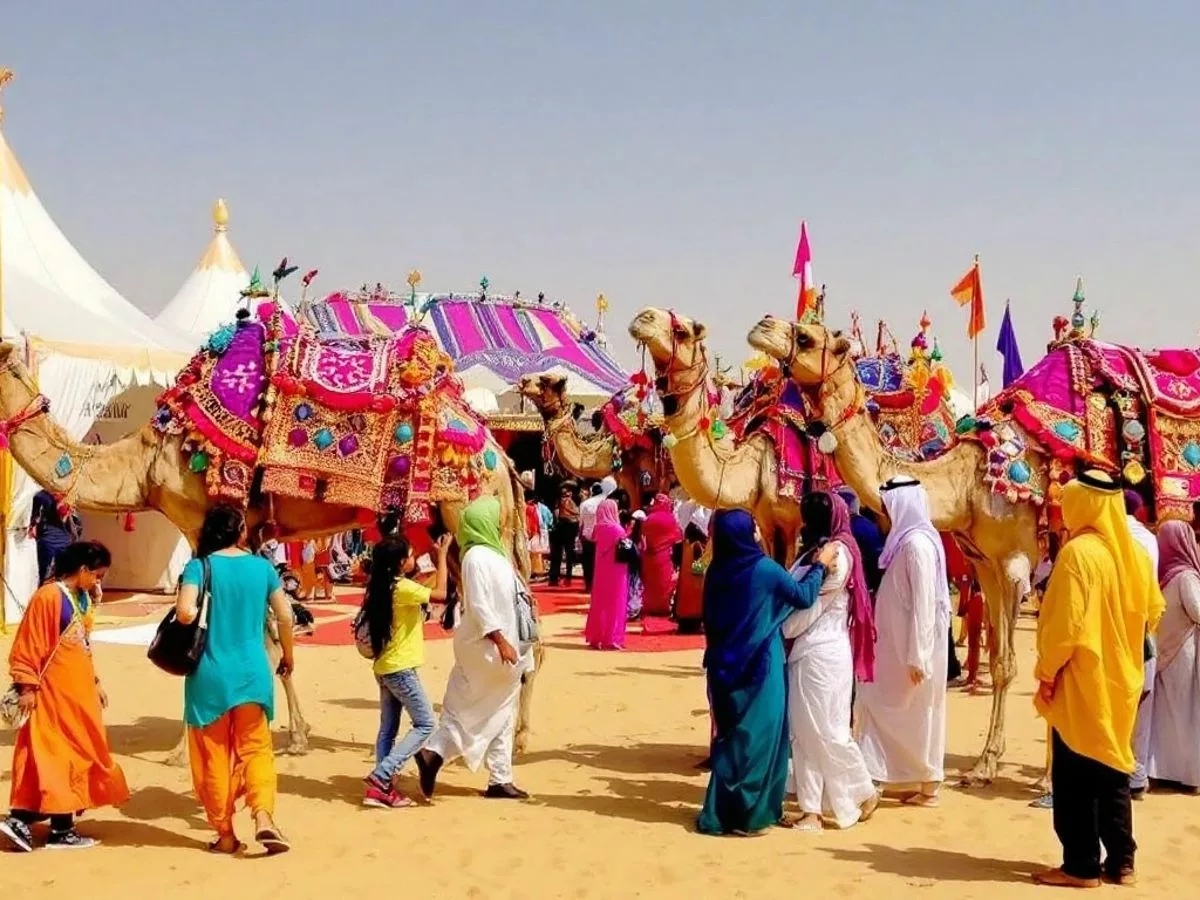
[
  {"x": 831, "y": 643},
  {"x": 1175, "y": 723}
]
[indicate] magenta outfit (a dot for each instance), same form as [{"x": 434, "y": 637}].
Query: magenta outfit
[
  {"x": 661, "y": 533},
  {"x": 605, "y": 628}
]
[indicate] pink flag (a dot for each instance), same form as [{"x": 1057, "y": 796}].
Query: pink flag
[{"x": 806, "y": 299}]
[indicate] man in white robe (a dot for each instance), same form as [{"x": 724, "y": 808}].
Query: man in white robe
[
  {"x": 901, "y": 716},
  {"x": 480, "y": 706},
  {"x": 1135, "y": 515}
]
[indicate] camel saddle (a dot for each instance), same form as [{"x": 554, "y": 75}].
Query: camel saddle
[
  {"x": 1087, "y": 404},
  {"x": 772, "y": 406},
  {"x": 377, "y": 423}
]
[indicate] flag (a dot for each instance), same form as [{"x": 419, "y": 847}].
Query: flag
[
  {"x": 802, "y": 269},
  {"x": 970, "y": 290},
  {"x": 1006, "y": 346}
]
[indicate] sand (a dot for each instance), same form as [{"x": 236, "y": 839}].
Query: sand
[{"x": 617, "y": 736}]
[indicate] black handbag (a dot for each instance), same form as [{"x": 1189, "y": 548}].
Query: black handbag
[{"x": 177, "y": 648}]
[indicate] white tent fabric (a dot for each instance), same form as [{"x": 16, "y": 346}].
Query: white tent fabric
[
  {"x": 209, "y": 298},
  {"x": 86, "y": 344}
]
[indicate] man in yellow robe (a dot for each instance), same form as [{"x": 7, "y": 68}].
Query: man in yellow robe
[{"x": 1102, "y": 594}]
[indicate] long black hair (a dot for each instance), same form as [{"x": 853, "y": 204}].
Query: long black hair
[
  {"x": 816, "y": 509},
  {"x": 221, "y": 530},
  {"x": 387, "y": 559}
]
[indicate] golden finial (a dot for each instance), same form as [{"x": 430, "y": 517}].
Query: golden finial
[
  {"x": 6, "y": 75},
  {"x": 220, "y": 214},
  {"x": 414, "y": 278},
  {"x": 601, "y": 303}
]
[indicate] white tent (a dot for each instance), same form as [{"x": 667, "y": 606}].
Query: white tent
[
  {"x": 96, "y": 357},
  {"x": 209, "y": 298}
]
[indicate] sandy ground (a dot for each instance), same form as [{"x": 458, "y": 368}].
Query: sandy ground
[{"x": 617, "y": 737}]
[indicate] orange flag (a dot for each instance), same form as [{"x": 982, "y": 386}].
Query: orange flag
[{"x": 970, "y": 290}]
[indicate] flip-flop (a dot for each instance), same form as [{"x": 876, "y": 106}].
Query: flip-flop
[
  {"x": 918, "y": 799},
  {"x": 809, "y": 827},
  {"x": 868, "y": 807},
  {"x": 215, "y": 847},
  {"x": 272, "y": 841}
]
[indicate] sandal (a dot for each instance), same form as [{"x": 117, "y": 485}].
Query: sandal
[
  {"x": 918, "y": 799},
  {"x": 810, "y": 826},
  {"x": 219, "y": 846}
]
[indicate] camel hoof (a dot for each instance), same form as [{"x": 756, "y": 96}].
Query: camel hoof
[
  {"x": 297, "y": 748},
  {"x": 177, "y": 759},
  {"x": 520, "y": 744},
  {"x": 975, "y": 779}
]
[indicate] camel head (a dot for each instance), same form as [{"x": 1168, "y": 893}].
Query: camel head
[
  {"x": 547, "y": 392},
  {"x": 674, "y": 342},
  {"x": 17, "y": 389},
  {"x": 808, "y": 354}
]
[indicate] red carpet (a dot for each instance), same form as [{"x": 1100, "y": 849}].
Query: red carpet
[{"x": 652, "y": 635}]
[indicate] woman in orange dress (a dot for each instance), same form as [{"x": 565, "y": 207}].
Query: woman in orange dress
[{"x": 61, "y": 761}]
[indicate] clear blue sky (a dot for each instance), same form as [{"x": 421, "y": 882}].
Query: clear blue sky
[{"x": 661, "y": 151}]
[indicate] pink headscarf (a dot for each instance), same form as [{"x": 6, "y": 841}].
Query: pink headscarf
[
  {"x": 1177, "y": 551},
  {"x": 660, "y": 528},
  {"x": 862, "y": 614},
  {"x": 607, "y": 513}
]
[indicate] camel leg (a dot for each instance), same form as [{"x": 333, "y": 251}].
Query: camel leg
[
  {"x": 298, "y": 729},
  {"x": 179, "y": 756},
  {"x": 1003, "y": 592},
  {"x": 525, "y": 702}
]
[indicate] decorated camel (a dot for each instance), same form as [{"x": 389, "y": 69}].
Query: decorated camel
[
  {"x": 1000, "y": 536},
  {"x": 711, "y": 468},
  {"x": 305, "y": 435},
  {"x": 1085, "y": 404},
  {"x": 637, "y": 468}
]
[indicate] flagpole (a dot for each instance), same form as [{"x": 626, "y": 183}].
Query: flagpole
[{"x": 975, "y": 344}]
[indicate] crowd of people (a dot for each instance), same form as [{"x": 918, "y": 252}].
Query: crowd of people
[{"x": 826, "y": 681}]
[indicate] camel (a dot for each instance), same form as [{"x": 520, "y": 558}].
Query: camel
[
  {"x": 590, "y": 458},
  {"x": 1000, "y": 537},
  {"x": 713, "y": 472},
  {"x": 149, "y": 470}
]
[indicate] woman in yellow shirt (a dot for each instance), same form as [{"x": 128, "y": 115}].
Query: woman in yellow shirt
[
  {"x": 1102, "y": 596},
  {"x": 395, "y": 619}
]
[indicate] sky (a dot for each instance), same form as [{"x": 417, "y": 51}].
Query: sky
[{"x": 663, "y": 152}]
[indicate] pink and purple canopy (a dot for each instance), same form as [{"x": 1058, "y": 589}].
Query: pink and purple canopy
[{"x": 493, "y": 342}]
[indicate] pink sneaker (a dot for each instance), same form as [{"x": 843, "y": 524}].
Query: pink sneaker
[{"x": 378, "y": 799}]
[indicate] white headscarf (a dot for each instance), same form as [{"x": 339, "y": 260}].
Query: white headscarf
[
  {"x": 907, "y": 506},
  {"x": 607, "y": 485}
]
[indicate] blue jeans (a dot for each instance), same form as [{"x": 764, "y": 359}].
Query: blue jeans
[{"x": 400, "y": 691}]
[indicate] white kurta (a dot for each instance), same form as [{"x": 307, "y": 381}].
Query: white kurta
[
  {"x": 902, "y": 726},
  {"x": 828, "y": 770},
  {"x": 1175, "y": 732},
  {"x": 479, "y": 709}
]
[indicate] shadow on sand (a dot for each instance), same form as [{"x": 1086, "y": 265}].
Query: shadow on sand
[
  {"x": 657, "y": 802},
  {"x": 936, "y": 865},
  {"x": 631, "y": 759}
]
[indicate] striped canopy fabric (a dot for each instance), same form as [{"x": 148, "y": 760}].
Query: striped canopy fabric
[{"x": 492, "y": 341}]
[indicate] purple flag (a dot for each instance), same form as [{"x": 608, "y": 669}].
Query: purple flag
[{"x": 1006, "y": 346}]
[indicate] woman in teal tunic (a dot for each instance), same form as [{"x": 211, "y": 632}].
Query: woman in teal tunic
[{"x": 747, "y": 597}]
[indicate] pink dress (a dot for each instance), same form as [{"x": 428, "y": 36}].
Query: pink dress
[
  {"x": 661, "y": 533},
  {"x": 605, "y": 628}
]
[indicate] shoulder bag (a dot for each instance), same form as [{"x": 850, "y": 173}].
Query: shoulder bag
[
  {"x": 527, "y": 627},
  {"x": 177, "y": 648},
  {"x": 10, "y": 709}
]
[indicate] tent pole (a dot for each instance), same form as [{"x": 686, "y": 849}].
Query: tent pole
[{"x": 5, "y": 458}]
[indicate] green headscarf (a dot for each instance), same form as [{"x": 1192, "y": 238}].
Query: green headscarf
[{"x": 480, "y": 526}]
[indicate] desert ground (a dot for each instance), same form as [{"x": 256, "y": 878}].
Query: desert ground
[{"x": 612, "y": 771}]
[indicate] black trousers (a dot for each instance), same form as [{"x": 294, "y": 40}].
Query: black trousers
[
  {"x": 59, "y": 823},
  {"x": 1091, "y": 807},
  {"x": 953, "y": 666},
  {"x": 589, "y": 562},
  {"x": 562, "y": 543}
]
